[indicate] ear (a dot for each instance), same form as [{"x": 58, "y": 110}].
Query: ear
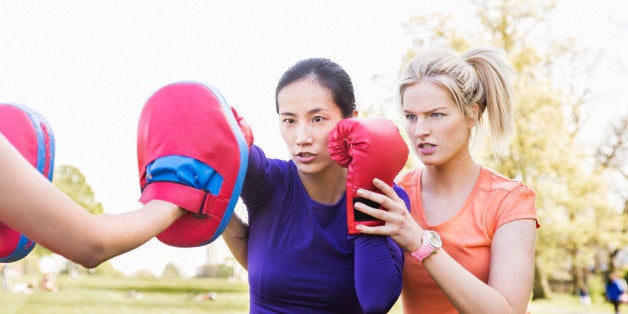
[
  {"x": 475, "y": 115},
  {"x": 354, "y": 114}
]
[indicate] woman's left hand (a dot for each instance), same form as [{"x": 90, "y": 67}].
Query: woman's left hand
[{"x": 398, "y": 223}]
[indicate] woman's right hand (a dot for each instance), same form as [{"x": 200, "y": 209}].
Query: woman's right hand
[{"x": 398, "y": 223}]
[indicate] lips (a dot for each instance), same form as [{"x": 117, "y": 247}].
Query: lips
[
  {"x": 305, "y": 157},
  {"x": 426, "y": 148}
]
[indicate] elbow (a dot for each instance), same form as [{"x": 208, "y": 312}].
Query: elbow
[
  {"x": 380, "y": 303},
  {"x": 242, "y": 260},
  {"x": 90, "y": 262},
  {"x": 374, "y": 307},
  {"x": 93, "y": 252}
]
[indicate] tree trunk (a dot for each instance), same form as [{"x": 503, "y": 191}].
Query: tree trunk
[
  {"x": 541, "y": 288},
  {"x": 577, "y": 272},
  {"x": 579, "y": 275}
]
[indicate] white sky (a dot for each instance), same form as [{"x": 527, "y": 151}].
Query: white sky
[{"x": 89, "y": 66}]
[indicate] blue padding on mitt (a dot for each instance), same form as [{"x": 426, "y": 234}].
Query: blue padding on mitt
[{"x": 184, "y": 170}]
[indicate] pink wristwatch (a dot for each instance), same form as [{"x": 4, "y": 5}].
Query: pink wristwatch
[{"x": 430, "y": 244}]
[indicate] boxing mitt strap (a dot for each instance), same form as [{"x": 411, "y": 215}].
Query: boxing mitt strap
[
  {"x": 184, "y": 181},
  {"x": 196, "y": 201}
]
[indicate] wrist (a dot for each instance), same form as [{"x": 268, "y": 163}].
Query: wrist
[
  {"x": 416, "y": 243},
  {"x": 430, "y": 244}
]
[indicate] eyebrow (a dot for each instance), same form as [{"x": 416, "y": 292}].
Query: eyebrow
[
  {"x": 428, "y": 111},
  {"x": 309, "y": 112}
]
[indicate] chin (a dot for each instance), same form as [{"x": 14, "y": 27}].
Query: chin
[
  {"x": 430, "y": 161},
  {"x": 316, "y": 168},
  {"x": 308, "y": 170}
]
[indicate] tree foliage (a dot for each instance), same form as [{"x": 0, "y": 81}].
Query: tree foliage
[
  {"x": 611, "y": 156},
  {"x": 171, "y": 271},
  {"x": 72, "y": 182},
  {"x": 573, "y": 196}
]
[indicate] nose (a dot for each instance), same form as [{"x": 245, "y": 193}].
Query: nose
[
  {"x": 421, "y": 129},
  {"x": 303, "y": 136}
]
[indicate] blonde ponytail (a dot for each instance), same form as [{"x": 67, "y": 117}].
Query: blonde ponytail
[{"x": 496, "y": 94}]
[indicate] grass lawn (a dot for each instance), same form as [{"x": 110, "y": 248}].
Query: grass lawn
[
  {"x": 570, "y": 304},
  {"x": 100, "y": 294},
  {"x": 120, "y": 295}
]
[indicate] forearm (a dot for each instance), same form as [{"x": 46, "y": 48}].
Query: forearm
[
  {"x": 90, "y": 240},
  {"x": 236, "y": 238},
  {"x": 466, "y": 292},
  {"x": 378, "y": 271},
  {"x": 126, "y": 231}
]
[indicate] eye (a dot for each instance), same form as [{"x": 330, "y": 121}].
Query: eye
[
  {"x": 437, "y": 114},
  {"x": 410, "y": 117},
  {"x": 318, "y": 119},
  {"x": 287, "y": 121}
]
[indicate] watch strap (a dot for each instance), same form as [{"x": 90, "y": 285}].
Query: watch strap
[{"x": 426, "y": 249}]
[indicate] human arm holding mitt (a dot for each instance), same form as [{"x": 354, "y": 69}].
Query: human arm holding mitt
[
  {"x": 170, "y": 190},
  {"x": 31, "y": 204}
]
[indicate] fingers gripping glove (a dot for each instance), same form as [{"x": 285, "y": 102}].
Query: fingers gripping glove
[
  {"x": 370, "y": 148},
  {"x": 191, "y": 152},
  {"x": 244, "y": 128},
  {"x": 32, "y": 136}
]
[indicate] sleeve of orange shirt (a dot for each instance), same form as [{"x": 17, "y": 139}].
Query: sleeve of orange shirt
[{"x": 519, "y": 203}]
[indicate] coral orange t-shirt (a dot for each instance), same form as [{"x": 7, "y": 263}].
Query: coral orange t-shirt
[{"x": 494, "y": 201}]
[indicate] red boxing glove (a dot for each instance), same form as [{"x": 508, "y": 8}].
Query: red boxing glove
[{"x": 370, "y": 148}]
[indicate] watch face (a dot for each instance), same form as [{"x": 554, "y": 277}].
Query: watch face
[{"x": 434, "y": 239}]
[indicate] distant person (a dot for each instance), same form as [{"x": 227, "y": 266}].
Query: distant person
[
  {"x": 469, "y": 236},
  {"x": 614, "y": 291},
  {"x": 48, "y": 283},
  {"x": 24, "y": 287},
  {"x": 585, "y": 298},
  {"x": 4, "y": 277}
]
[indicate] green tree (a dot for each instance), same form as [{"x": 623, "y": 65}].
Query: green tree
[
  {"x": 72, "y": 182},
  {"x": 611, "y": 157},
  {"x": 546, "y": 153},
  {"x": 171, "y": 271}
]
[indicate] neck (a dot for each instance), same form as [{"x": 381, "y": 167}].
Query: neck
[
  {"x": 326, "y": 187},
  {"x": 451, "y": 176}
]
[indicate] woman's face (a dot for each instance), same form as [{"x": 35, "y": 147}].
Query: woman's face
[
  {"x": 307, "y": 113},
  {"x": 438, "y": 130}
]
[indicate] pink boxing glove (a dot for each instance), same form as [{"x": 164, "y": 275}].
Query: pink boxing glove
[{"x": 370, "y": 148}]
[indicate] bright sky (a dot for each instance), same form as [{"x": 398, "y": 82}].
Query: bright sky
[{"x": 89, "y": 66}]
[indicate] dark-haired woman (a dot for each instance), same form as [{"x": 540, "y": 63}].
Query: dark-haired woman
[{"x": 300, "y": 256}]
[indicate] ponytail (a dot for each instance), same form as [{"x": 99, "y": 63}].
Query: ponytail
[{"x": 496, "y": 94}]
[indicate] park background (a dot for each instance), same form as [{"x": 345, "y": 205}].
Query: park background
[{"x": 88, "y": 67}]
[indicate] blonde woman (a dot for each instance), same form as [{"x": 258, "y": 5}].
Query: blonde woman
[{"x": 470, "y": 233}]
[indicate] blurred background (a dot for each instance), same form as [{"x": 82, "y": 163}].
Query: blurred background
[{"x": 88, "y": 67}]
